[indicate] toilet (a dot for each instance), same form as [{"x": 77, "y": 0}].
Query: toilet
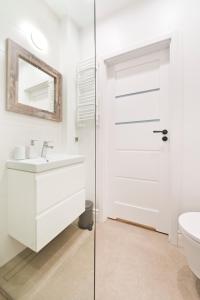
[{"x": 189, "y": 224}]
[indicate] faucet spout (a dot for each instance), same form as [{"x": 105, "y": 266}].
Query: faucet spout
[{"x": 45, "y": 148}]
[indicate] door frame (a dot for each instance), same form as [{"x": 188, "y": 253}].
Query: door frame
[{"x": 174, "y": 43}]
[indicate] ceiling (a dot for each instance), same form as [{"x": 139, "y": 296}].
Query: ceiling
[{"x": 82, "y": 10}]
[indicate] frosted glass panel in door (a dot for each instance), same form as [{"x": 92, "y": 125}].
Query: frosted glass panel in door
[{"x": 143, "y": 106}]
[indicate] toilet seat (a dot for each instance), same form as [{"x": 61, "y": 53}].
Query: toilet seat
[{"x": 190, "y": 225}]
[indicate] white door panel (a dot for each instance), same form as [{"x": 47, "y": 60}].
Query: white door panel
[
  {"x": 139, "y": 193},
  {"x": 137, "y": 214},
  {"x": 138, "y": 158},
  {"x": 137, "y": 78},
  {"x": 137, "y": 165},
  {"x": 137, "y": 136}
]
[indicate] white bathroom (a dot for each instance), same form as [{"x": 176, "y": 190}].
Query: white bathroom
[{"x": 99, "y": 156}]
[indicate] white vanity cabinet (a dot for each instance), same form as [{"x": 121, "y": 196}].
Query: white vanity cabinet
[{"x": 42, "y": 204}]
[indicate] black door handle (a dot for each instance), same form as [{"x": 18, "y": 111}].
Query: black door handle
[
  {"x": 165, "y": 131},
  {"x": 165, "y": 138}
]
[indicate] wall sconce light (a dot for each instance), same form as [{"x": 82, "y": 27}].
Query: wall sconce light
[
  {"x": 38, "y": 40},
  {"x": 35, "y": 37}
]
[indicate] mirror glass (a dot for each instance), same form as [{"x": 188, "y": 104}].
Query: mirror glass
[{"x": 35, "y": 87}]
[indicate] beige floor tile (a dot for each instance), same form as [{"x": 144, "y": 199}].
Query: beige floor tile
[
  {"x": 135, "y": 263},
  {"x": 63, "y": 270},
  {"x": 132, "y": 264},
  {"x": 2, "y": 297}
]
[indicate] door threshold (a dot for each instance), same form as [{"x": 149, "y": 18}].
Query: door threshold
[
  {"x": 137, "y": 225},
  {"x": 134, "y": 224}
]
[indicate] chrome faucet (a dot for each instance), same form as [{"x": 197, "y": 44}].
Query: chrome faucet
[{"x": 45, "y": 147}]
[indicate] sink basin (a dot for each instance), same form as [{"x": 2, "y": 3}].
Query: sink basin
[{"x": 37, "y": 165}]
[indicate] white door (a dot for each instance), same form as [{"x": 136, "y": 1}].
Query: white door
[{"x": 138, "y": 161}]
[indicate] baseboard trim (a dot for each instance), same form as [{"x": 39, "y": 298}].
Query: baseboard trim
[
  {"x": 96, "y": 214},
  {"x": 180, "y": 240}
]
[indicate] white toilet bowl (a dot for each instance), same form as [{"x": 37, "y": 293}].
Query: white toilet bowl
[{"x": 189, "y": 224}]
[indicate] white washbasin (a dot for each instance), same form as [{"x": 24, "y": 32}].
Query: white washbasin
[{"x": 37, "y": 165}]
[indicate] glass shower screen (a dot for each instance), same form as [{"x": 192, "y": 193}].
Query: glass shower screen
[{"x": 47, "y": 202}]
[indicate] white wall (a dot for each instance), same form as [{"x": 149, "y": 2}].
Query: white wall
[
  {"x": 86, "y": 134},
  {"x": 143, "y": 21},
  {"x": 87, "y": 148},
  {"x": 148, "y": 20},
  {"x": 16, "y": 129},
  {"x": 70, "y": 51}
]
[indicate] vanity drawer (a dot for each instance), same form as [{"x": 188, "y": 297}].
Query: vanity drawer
[
  {"x": 50, "y": 223},
  {"x": 57, "y": 185}
]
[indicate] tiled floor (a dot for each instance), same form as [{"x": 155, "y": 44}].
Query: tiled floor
[
  {"x": 132, "y": 264},
  {"x": 138, "y": 264},
  {"x": 63, "y": 270},
  {"x": 2, "y": 297}
]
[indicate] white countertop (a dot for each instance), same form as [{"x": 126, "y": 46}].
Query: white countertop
[{"x": 37, "y": 165}]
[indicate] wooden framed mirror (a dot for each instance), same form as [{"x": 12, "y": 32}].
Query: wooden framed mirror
[{"x": 33, "y": 87}]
